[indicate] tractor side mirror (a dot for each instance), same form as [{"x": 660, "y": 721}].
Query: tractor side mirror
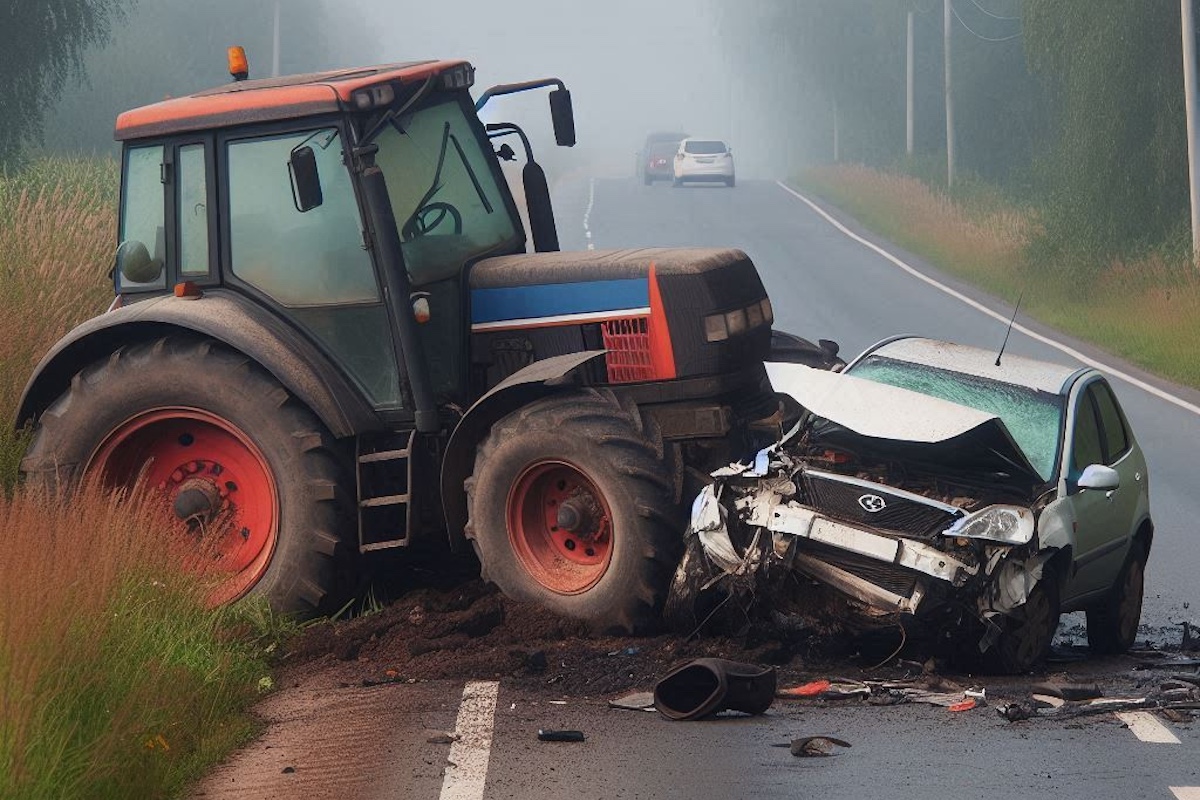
[
  {"x": 563, "y": 116},
  {"x": 306, "y": 182},
  {"x": 134, "y": 264}
]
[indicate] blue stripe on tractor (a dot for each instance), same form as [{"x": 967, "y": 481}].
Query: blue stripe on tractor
[{"x": 548, "y": 300}]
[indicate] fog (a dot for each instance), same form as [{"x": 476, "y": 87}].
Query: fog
[{"x": 632, "y": 67}]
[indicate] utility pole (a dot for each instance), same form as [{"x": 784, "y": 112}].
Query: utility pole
[
  {"x": 908, "y": 121},
  {"x": 837, "y": 155},
  {"x": 1188, "y": 24},
  {"x": 946, "y": 28},
  {"x": 275, "y": 50}
]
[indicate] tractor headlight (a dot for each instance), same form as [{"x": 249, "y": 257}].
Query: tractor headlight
[
  {"x": 719, "y": 327},
  {"x": 1005, "y": 524}
]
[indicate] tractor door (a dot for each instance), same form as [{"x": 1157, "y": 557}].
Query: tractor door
[
  {"x": 452, "y": 207},
  {"x": 311, "y": 266}
]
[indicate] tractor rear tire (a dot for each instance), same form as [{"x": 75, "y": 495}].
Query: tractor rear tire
[
  {"x": 573, "y": 506},
  {"x": 187, "y": 416}
]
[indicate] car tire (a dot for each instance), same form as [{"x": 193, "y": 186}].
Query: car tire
[
  {"x": 1028, "y": 632},
  {"x": 587, "y": 452},
  {"x": 179, "y": 411},
  {"x": 1112, "y": 625},
  {"x": 648, "y": 180},
  {"x": 677, "y": 182},
  {"x": 731, "y": 181}
]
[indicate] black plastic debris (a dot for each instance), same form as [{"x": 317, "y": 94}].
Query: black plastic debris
[
  {"x": 544, "y": 735},
  {"x": 707, "y": 686}
]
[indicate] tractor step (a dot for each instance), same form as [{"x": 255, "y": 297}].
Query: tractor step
[{"x": 384, "y": 472}]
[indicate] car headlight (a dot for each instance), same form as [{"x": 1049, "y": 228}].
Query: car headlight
[{"x": 1007, "y": 524}]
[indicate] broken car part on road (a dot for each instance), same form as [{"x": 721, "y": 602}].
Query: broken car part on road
[{"x": 926, "y": 481}]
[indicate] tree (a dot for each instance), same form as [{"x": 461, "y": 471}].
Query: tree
[
  {"x": 1117, "y": 176},
  {"x": 41, "y": 46}
]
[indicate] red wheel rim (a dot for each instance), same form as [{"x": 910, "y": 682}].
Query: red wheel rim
[
  {"x": 560, "y": 527},
  {"x": 173, "y": 451}
]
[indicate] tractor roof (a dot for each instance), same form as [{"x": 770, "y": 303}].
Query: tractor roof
[{"x": 267, "y": 99}]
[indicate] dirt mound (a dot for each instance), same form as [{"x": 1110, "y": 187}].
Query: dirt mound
[{"x": 473, "y": 632}]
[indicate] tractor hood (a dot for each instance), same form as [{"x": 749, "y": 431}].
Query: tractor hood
[
  {"x": 680, "y": 312},
  {"x": 907, "y": 425}
]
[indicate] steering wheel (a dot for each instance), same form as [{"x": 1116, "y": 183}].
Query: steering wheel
[{"x": 430, "y": 216}]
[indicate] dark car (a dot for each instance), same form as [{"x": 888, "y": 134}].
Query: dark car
[{"x": 657, "y": 154}]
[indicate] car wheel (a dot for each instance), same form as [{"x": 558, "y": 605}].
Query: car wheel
[
  {"x": 1028, "y": 632},
  {"x": 1112, "y": 625},
  {"x": 677, "y": 182},
  {"x": 730, "y": 181},
  {"x": 572, "y": 507},
  {"x": 648, "y": 180}
]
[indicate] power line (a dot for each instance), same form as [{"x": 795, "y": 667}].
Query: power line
[
  {"x": 990, "y": 14},
  {"x": 980, "y": 35}
]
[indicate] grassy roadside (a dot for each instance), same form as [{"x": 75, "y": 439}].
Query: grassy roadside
[
  {"x": 1146, "y": 311},
  {"x": 115, "y": 680}
]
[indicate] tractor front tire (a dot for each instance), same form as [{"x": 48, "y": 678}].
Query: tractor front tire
[
  {"x": 239, "y": 464},
  {"x": 572, "y": 506}
]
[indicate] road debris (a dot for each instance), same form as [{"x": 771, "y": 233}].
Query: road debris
[
  {"x": 443, "y": 738},
  {"x": 544, "y": 735},
  {"x": 811, "y": 689},
  {"x": 638, "y": 701},
  {"x": 815, "y": 746},
  {"x": 708, "y": 686}
]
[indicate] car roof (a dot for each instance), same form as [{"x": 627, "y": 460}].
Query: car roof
[
  {"x": 702, "y": 139},
  {"x": 1017, "y": 370},
  {"x": 267, "y": 99}
]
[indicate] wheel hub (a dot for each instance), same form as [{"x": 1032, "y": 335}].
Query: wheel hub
[{"x": 560, "y": 527}]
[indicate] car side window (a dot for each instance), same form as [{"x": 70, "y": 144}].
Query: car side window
[
  {"x": 1116, "y": 439},
  {"x": 1086, "y": 448}
]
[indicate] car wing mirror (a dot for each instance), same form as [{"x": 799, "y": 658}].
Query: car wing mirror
[
  {"x": 1099, "y": 477},
  {"x": 306, "y": 181},
  {"x": 563, "y": 116}
]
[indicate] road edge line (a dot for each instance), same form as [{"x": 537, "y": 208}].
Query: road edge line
[
  {"x": 465, "y": 777},
  {"x": 1063, "y": 348}
]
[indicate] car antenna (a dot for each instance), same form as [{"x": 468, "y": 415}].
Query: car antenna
[{"x": 1010, "y": 327}]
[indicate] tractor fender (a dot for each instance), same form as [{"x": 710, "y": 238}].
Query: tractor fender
[
  {"x": 221, "y": 315},
  {"x": 530, "y": 383}
]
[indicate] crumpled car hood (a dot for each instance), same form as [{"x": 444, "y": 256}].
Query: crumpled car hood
[{"x": 904, "y": 423}]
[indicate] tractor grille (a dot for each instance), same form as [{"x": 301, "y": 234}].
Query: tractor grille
[
  {"x": 897, "y": 580},
  {"x": 628, "y": 344},
  {"x": 849, "y": 499}
]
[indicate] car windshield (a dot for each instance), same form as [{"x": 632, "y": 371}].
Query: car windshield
[
  {"x": 663, "y": 149},
  {"x": 448, "y": 204},
  {"x": 1033, "y": 418},
  {"x": 703, "y": 147}
]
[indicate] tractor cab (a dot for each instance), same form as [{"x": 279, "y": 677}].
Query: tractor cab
[{"x": 291, "y": 190}]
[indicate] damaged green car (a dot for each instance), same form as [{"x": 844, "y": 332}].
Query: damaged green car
[{"x": 932, "y": 482}]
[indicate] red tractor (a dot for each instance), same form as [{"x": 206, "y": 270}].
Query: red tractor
[{"x": 328, "y": 339}]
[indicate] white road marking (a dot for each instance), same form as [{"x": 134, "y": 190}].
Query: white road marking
[
  {"x": 587, "y": 215},
  {"x": 1146, "y": 727},
  {"x": 466, "y": 774},
  {"x": 1112, "y": 371},
  {"x": 1186, "y": 792}
]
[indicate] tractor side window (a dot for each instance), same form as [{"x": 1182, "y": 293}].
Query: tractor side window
[
  {"x": 193, "y": 211},
  {"x": 143, "y": 216},
  {"x": 315, "y": 258}
]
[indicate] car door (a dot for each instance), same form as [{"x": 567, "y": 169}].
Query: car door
[{"x": 1104, "y": 520}]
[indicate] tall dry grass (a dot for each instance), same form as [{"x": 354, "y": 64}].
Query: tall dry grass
[
  {"x": 115, "y": 679},
  {"x": 57, "y": 239},
  {"x": 1145, "y": 310}
]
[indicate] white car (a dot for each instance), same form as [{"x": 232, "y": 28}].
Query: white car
[{"x": 703, "y": 160}]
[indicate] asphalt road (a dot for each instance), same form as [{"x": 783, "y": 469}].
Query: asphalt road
[{"x": 330, "y": 737}]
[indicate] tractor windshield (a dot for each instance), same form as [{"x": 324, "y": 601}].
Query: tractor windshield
[{"x": 444, "y": 192}]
